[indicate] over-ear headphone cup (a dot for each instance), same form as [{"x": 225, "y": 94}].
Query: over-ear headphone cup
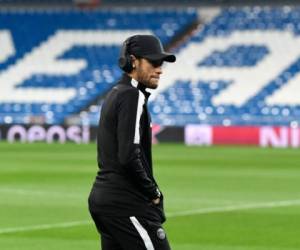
[
  {"x": 125, "y": 64},
  {"x": 122, "y": 62},
  {"x": 125, "y": 60},
  {"x": 128, "y": 67}
]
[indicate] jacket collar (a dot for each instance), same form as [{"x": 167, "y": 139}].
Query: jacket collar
[{"x": 126, "y": 79}]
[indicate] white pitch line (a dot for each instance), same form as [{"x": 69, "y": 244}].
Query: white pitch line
[
  {"x": 231, "y": 208},
  {"x": 44, "y": 227},
  {"x": 38, "y": 193}
]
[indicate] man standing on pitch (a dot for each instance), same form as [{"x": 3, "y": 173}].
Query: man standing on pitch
[{"x": 125, "y": 202}]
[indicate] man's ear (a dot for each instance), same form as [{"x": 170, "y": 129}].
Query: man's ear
[{"x": 133, "y": 61}]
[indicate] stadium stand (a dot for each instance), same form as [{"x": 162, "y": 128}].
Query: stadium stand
[
  {"x": 60, "y": 61},
  {"x": 244, "y": 69},
  {"x": 241, "y": 68}
]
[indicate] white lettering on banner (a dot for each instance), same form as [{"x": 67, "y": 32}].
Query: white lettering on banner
[
  {"x": 36, "y": 133},
  {"x": 78, "y": 135},
  {"x": 198, "y": 135},
  {"x": 246, "y": 81},
  {"x": 7, "y": 46},
  {"x": 53, "y": 133},
  {"x": 270, "y": 137},
  {"x": 44, "y": 60},
  {"x": 17, "y": 131},
  {"x": 58, "y": 131},
  {"x": 295, "y": 137},
  {"x": 281, "y": 137}
]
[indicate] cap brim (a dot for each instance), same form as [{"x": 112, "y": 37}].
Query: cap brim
[{"x": 162, "y": 56}]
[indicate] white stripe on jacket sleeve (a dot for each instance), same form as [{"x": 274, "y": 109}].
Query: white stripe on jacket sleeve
[
  {"x": 143, "y": 233},
  {"x": 139, "y": 112}
]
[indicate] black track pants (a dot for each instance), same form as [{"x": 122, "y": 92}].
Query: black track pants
[{"x": 130, "y": 233}]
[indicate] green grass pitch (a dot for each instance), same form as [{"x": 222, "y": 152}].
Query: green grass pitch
[{"x": 217, "y": 198}]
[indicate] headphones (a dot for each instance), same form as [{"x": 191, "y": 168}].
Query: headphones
[{"x": 125, "y": 62}]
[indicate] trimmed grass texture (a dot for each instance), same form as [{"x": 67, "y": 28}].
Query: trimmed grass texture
[{"x": 216, "y": 198}]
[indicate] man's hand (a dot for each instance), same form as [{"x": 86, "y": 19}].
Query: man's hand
[{"x": 156, "y": 201}]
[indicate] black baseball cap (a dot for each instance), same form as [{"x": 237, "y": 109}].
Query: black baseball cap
[{"x": 149, "y": 47}]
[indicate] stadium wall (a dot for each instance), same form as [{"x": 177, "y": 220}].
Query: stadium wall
[{"x": 202, "y": 135}]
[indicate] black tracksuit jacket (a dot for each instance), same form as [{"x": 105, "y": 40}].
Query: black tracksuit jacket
[{"x": 125, "y": 185}]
